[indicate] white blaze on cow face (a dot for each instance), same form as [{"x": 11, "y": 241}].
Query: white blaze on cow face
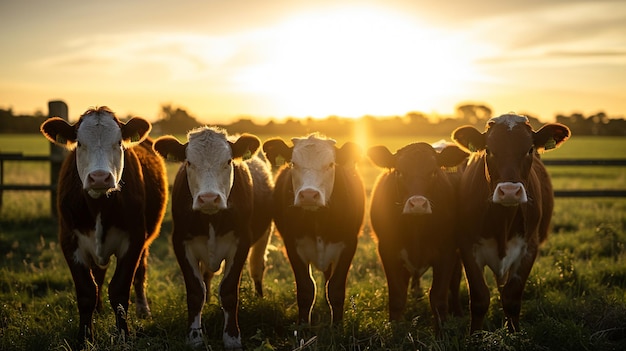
[
  {"x": 209, "y": 170},
  {"x": 99, "y": 154},
  {"x": 509, "y": 156},
  {"x": 313, "y": 172}
]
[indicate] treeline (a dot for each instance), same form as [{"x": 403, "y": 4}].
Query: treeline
[{"x": 178, "y": 121}]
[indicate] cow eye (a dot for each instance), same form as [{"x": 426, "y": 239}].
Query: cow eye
[
  {"x": 531, "y": 151},
  {"x": 78, "y": 143}
]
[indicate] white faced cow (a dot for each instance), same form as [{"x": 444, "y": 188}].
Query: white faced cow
[
  {"x": 506, "y": 203},
  {"x": 319, "y": 203},
  {"x": 112, "y": 194},
  {"x": 221, "y": 209}
]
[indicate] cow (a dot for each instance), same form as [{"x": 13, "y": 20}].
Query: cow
[
  {"x": 221, "y": 212},
  {"x": 319, "y": 203},
  {"x": 505, "y": 207},
  {"x": 413, "y": 215},
  {"x": 111, "y": 199}
]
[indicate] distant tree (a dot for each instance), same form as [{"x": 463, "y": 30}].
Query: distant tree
[
  {"x": 174, "y": 121},
  {"x": 474, "y": 114}
]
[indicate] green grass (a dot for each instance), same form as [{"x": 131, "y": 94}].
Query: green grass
[{"x": 575, "y": 297}]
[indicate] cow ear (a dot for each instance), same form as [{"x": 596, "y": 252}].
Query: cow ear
[
  {"x": 451, "y": 156},
  {"x": 59, "y": 131},
  {"x": 381, "y": 156},
  {"x": 170, "y": 148},
  {"x": 135, "y": 130},
  {"x": 349, "y": 154},
  {"x": 246, "y": 146},
  {"x": 550, "y": 136},
  {"x": 469, "y": 139},
  {"x": 277, "y": 151}
]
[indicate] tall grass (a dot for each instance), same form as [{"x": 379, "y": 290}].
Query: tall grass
[{"x": 575, "y": 297}]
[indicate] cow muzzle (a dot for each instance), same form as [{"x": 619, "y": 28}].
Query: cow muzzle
[
  {"x": 417, "y": 205},
  {"x": 209, "y": 203},
  {"x": 309, "y": 199},
  {"x": 510, "y": 194},
  {"x": 100, "y": 182}
]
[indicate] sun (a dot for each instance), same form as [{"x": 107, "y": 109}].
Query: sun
[{"x": 357, "y": 61}]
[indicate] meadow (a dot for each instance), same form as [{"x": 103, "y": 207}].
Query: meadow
[{"x": 575, "y": 297}]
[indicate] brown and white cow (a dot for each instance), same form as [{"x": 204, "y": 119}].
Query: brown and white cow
[
  {"x": 506, "y": 203},
  {"x": 413, "y": 215},
  {"x": 319, "y": 203},
  {"x": 112, "y": 193},
  {"x": 221, "y": 210}
]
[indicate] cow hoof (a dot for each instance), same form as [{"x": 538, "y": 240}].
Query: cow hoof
[
  {"x": 143, "y": 312},
  {"x": 195, "y": 338}
]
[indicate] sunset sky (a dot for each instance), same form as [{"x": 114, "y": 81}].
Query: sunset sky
[{"x": 221, "y": 60}]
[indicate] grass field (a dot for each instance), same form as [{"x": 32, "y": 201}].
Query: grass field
[{"x": 575, "y": 298}]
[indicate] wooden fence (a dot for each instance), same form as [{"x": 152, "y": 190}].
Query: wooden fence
[
  {"x": 55, "y": 163},
  {"x": 57, "y": 154}
]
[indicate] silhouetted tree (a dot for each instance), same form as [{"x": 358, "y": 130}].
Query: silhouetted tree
[
  {"x": 174, "y": 121},
  {"x": 474, "y": 114}
]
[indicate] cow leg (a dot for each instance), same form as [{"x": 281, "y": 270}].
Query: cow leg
[
  {"x": 478, "y": 290},
  {"x": 454, "y": 299},
  {"x": 229, "y": 298},
  {"x": 119, "y": 287},
  {"x": 98, "y": 277},
  {"x": 143, "y": 308},
  {"x": 86, "y": 297},
  {"x": 512, "y": 291},
  {"x": 257, "y": 261},
  {"x": 416, "y": 286},
  {"x": 336, "y": 283},
  {"x": 442, "y": 275},
  {"x": 195, "y": 289},
  {"x": 207, "y": 276},
  {"x": 398, "y": 278},
  {"x": 305, "y": 285}
]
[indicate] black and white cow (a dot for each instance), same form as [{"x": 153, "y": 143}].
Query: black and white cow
[
  {"x": 221, "y": 210},
  {"x": 319, "y": 203},
  {"x": 112, "y": 195}
]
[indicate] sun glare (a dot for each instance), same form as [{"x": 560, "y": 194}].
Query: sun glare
[{"x": 354, "y": 62}]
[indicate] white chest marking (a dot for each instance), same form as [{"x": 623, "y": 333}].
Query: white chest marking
[
  {"x": 211, "y": 250},
  {"x": 486, "y": 253},
  {"x": 97, "y": 247},
  {"x": 319, "y": 253}
]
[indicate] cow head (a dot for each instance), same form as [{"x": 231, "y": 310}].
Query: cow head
[
  {"x": 509, "y": 146},
  {"x": 313, "y": 161},
  {"x": 99, "y": 139},
  {"x": 208, "y": 160},
  {"x": 417, "y": 168}
]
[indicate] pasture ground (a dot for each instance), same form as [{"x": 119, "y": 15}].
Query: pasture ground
[{"x": 575, "y": 298}]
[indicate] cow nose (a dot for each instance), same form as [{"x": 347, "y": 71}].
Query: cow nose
[
  {"x": 210, "y": 199},
  {"x": 417, "y": 205},
  {"x": 309, "y": 197},
  {"x": 100, "y": 180},
  {"x": 510, "y": 194}
]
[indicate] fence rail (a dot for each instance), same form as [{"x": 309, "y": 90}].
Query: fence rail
[{"x": 55, "y": 162}]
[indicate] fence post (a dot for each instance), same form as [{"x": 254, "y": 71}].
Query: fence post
[{"x": 56, "y": 108}]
